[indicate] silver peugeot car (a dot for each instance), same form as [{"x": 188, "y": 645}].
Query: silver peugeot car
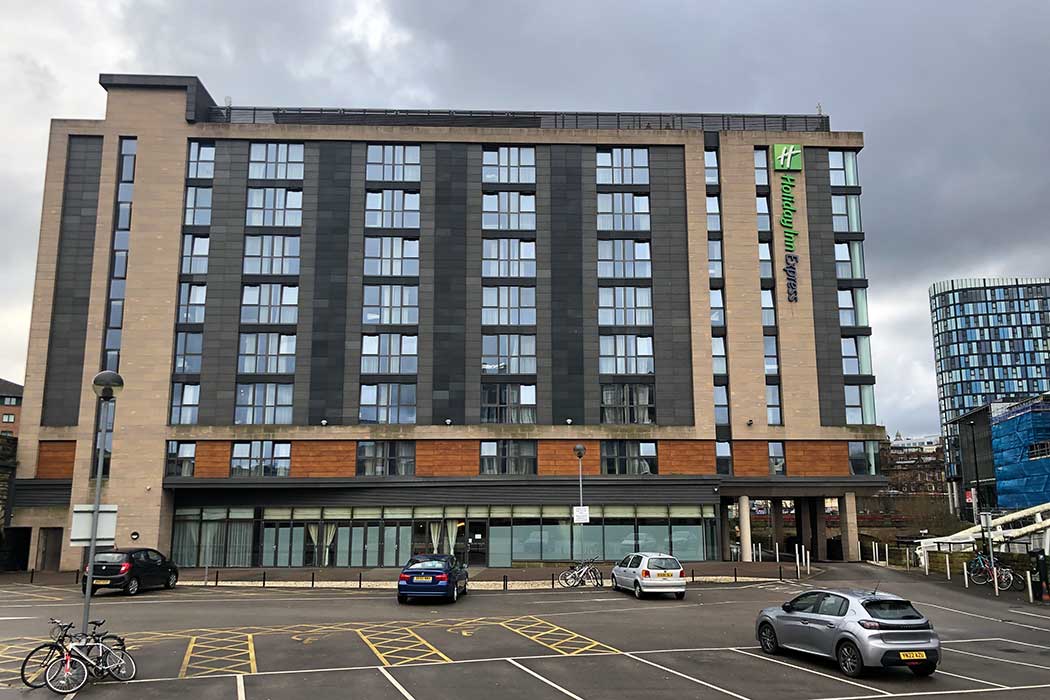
[{"x": 858, "y": 629}]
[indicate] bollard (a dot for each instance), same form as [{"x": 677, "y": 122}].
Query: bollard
[
  {"x": 359, "y": 583},
  {"x": 907, "y": 559},
  {"x": 734, "y": 574},
  {"x": 776, "y": 551},
  {"x": 504, "y": 582},
  {"x": 948, "y": 565},
  {"x": 692, "y": 573},
  {"x": 1028, "y": 581},
  {"x": 808, "y": 556},
  {"x": 798, "y": 571},
  {"x": 995, "y": 579},
  {"x": 216, "y": 578},
  {"x": 887, "y": 556},
  {"x": 311, "y": 579},
  {"x": 780, "y": 570},
  {"x": 874, "y": 553},
  {"x": 926, "y": 564},
  {"x": 966, "y": 576},
  {"x": 264, "y": 578},
  {"x": 796, "y": 553},
  {"x": 552, "y": 581},
  {"x": 32, "y": 574},
  {"x": 76, "y": 578}
]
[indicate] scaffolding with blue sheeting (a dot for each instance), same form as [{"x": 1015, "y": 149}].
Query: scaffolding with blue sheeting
[{"x": 1021, "y": 451}]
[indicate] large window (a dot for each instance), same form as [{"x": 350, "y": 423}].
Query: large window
[
  {"x": 185, "y": 400},
  {"x": 777, "y": 461},
  {"x": 274, "y": 206},
  {"x": 774, "y": 415},
  {"x": 622, "y": 166},
  {"x": 388, "y": 353},
  {"x": 508, "y": 257},
  {"x": 714, "y": 213},
  {"x": 723, "y": 458},
  {"x": 628, "y": 457},
  {"x": 765, "y": 261},
  {"x": 624, "y": 259},
  {"x": 188, "y": 349},
  {"x": 270, "y": 303},
  {"x": 628, "y": 404},
  {"x": 719, "y": 359},
  {"x": 849, "y": 260},
  {"x": 276, "y": 161},
  {"x": 198, "y": 206},
  {"x": 508, "y": 403},
  {"x": 261, "y": 458},
  {"x": 845, "y": 212},
  {"x": 388, "y": 403},
  {"x": 623, "y": 211},
  {"x": 718, "y": 308},
  {"x": 509, "y": 164},
  {"x": 386, "y": 458},
  {"x": 762, "y": 211},
  {"x": 391, "y": 209},
  {"x": 860, "y": 404},
  {"x": 853, "y": 307},
  {"x": 714, "y": 259},
  {"x": 864, "y": 458},
  {"x": 721, "y": 405},
  {"x": 391, "y": 304},
  {"x": 711, "y": 167},
  {"x": 392, "y": 163},
  {"x": 191, "y": 303},
  {"x": 201, "y": 160},
  {"x": 271, "y": 255},
  {"x": 508, "y": 306},
  {"x": 263, "y": 403},
  {"x": 508, "y": 354},
  {"x": 195, "y": 255},
  {"x": 843, "y": 168},
  {"x": 266, "y": 353},
  {"x": 856, "y": 355},
  {"x": 761, "y": 167},
  {"x": 512, "y": 457},
  {"x": 769, "y": 312},
  {"x": 508, "y": 211},
  {"x": 625, "y": 306},
  {"x": 769, "y": 352},
  {"x": 626, "y": 354},
  {"x": 391, "y": 256},
  {"x": 180, "y": 458}
]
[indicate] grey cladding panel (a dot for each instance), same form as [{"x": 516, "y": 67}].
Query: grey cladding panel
[{"x": 63, "y": 378}]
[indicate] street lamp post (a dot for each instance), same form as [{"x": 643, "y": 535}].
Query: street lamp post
[
  {"x": 107, "y": 386},
  {"x": 976, "y": 473},
  {"x": 580, "y": 451}
]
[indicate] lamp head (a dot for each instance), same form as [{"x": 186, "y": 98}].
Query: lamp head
[
  {"x": 107, "y": 385},
  {"x": 448, "y": 421},
  {"x": 568, "y": 421},
  {"x": 324, "y": 421},
  {"x": 579, "y": 451}
]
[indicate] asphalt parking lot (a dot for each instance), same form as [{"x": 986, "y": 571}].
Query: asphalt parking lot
[{"x": 282, "y": 644}]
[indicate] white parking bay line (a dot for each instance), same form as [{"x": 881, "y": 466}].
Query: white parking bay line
[
  {"x": 393, "y": 681},
  {"x": 563, "y": 602},
  {"x": 999, "y": 659},
  {"x": 548, "y": 681},
  {"x": 1030, "y": 614},
  {"x": 816, "y": 673},
  {"x": 981, "y": 617},
  {"x": 688, "y": 678},
  {"x": 972, "y": 680},
  {"x": 239, "y": 678},
  {"x": 923, "y": 693},
  {"x": 4, "y": 619}
]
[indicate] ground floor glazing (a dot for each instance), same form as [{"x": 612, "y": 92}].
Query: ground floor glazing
[{"x": 493, "y": 536}]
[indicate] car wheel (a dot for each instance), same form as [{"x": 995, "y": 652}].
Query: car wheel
[
  {"x": 454, "y": 595},
  {"x": 94, "y": 591},
  {"x": 132, "y": 586},
  {"x": 173, "y": 578},
  {"x": 638, "y": 593},
  {"x": 465, "y": 582},
  {"x": 612, "y": 582},
  {"x": 923, "y": 670},
  {"x": 402, "y": 598},
  {"x": 850, "y": 661},
  {"x": 680, "y": 595},
  {"x": 767, "y": 637}
]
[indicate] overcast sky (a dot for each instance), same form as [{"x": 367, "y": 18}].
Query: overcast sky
[{"x": 954, "y": 100}]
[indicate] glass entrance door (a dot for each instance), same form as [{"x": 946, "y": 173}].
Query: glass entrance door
[{"x": 477, "y": 543}]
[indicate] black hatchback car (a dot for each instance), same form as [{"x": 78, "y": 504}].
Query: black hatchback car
[{"x": 132, "y": 569}]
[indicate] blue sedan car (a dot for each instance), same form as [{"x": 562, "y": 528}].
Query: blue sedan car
[{"x": 432, "y": 576}]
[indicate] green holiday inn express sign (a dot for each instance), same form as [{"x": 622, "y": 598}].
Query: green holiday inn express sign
[{"x": 787, "y": 158}]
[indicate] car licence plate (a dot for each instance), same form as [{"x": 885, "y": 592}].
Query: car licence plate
[
  {"x": 665, "y": 574},
  {"x": 100, "y": 582},
  {"x": 913, "y": 655},
  {"x": 423, "y": 579}
]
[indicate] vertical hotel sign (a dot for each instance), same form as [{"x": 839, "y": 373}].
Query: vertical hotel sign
[{"x": 787, "y": 159}]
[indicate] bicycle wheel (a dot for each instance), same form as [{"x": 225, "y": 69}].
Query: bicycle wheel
[
  {"x": 1020, "y": 582},
  {"x": 36, "y": 662},
  {"x": 1005, "y": 577},
  {"x": 981, "y": 576},
  {"x": 119, "y": 664},
  {"x": 594, "y": 576},
  {"x": 568, "y": 578},
  {"x": 66, "y": 676}
]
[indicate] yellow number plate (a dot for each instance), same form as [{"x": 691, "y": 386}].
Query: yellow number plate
[
  {"x": 100, "y": 582},
  {"x": 423, "y": 579},
  {"x": 667, "y": 574},
  {"x": 912, "y": 655}
]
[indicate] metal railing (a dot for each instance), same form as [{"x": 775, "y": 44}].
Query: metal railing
[{"x": 522, "y": 120}]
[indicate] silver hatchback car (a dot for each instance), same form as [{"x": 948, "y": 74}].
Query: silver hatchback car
[
  {"x": 857, "y": 628},
  {"x": 649, "y": 572}
]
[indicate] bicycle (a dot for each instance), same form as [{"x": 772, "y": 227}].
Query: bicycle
[
  {"x": 581, "y": 572},
  {"x": 65, "y": 663},
  {"x": 980, "y": 571}
]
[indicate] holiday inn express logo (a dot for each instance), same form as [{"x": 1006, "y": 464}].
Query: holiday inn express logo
[{"x": 787, "y": 156}]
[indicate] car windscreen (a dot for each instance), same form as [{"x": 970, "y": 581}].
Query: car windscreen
[
  {"x": 664, "y": 563},
  {"x": 892, "y": 610},
  {"x": 110, "y": 557},
  {"x": 426, "y": 565}
]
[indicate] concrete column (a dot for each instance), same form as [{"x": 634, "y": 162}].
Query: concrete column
[
  {"x": 776, "y": 516},
  {"x": 821, "y": 531},
  {"x": 848, "y": 527},
  {"x": 744, "y": 506},
  {"x": 723, "y": 521},
  {"x": 804, "y": 522}
]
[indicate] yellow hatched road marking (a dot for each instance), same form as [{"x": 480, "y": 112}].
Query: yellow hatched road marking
[
  {"x": 559, "y": 639},
  {"x": 398, "y": 646},
  {"x": 219, "y": 654}
]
